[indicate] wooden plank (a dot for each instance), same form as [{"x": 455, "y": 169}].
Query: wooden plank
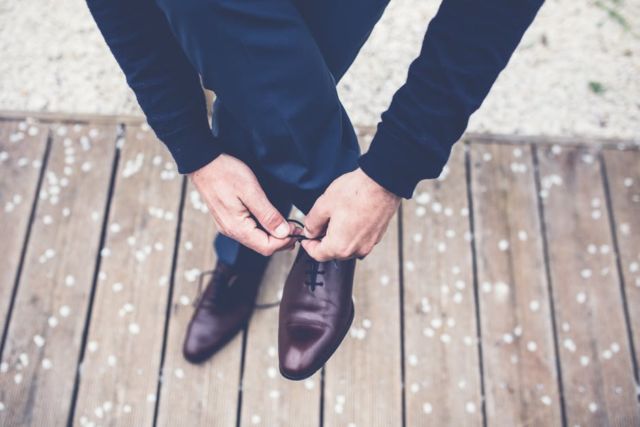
[
  {"x": 363, "y": 379},
  {"x": 205, "y": 394},
  {"x": 521, "y": 380},
  {"x": 22, "y": 148},
  {"x": 268, "y": 398},
  {"x": 74, "y": 118},
  {"x": 599, "y": 388},
  {"x": 45, "y": 332},
  {"x": 519, "y": 140},
  {"x": 119, "y": 375},
  {"x": 442, "y": 368},
  {"x": 623, "y": 178}
]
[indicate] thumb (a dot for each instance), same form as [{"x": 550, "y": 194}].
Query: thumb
[
  {"x": 317, "y": 219},
  {"x": 266, "y": 214}
]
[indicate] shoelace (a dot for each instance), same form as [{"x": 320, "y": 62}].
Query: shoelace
[
  {"x": 313, "y": 266},
  {"x": 312, "y": 274},
  {"x": 301, "y": 237},
  {"x": 311, "y": 281},
  {"x": 218, "y": 292}
]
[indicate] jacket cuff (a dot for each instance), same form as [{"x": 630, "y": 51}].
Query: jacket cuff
[
  {"x": 399, "y": 165},
  {"x": 192, "y": 147}
]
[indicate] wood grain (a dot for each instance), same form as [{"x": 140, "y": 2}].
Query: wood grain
[
  {"x": 593, "y": 276},
  {"x": 22, "y": 149},
  {"x": 521, "y": 380},
  {"x": 205, "y": 394},
  {"x": 623, "y": 180},
  {"x": 599, "y": 388},
  {"x": 442, "y": 369},
  {"x": 267, "y": 397},
  {"x": 119, "y": 375},
  {"x": 45, "y": 331},
  {"x": 363, "y": 377}
]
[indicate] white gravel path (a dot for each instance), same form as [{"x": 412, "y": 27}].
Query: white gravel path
[{"x": 53, "y": 59}]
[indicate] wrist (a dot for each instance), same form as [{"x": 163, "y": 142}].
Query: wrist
[
  {"x": 211, "y": 164},
  {"x": 376, "y": 186}
]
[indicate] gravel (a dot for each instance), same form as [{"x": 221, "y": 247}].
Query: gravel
[{"x": 576, "y": 72}]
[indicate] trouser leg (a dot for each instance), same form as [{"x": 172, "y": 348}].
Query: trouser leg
[
  {"x": 262, "y": 61},
  {"x": 233, "y": 253},
  {"x": 339, "y": 29},
  {"x": 273, "y": 65}
]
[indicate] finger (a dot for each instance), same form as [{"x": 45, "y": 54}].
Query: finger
[
  {"x": 316, "y": 250},
  {"x": 317, "y": 219},
  {"x": 297, "y": 232},
  {"x": 291, "y": 246},
  {"x": 267, "y": 215},
  {"x": 250, "y": 235}
]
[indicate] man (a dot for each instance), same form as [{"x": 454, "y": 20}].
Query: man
[{"x": 280, "y": 136}]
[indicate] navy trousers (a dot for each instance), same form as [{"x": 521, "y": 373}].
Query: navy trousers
[{"x": 274, "y": 65}]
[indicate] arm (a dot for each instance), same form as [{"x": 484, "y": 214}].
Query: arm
[
  {"x": 168, "y": 90},
  {"x": 466, "y": 46},
  {"x": 165, "y": 84}
]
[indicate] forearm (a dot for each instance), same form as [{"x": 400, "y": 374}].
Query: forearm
[
  {"x": 466, "y": 46},
  {"x": 164, "y": 82}
]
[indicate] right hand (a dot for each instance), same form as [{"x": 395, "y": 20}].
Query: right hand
[{"x": 234, "y": 198}]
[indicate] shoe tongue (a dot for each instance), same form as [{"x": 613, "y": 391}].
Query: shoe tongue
[
  {"x": 223, "y": 268},
  {"x": 218, "y": 286},
  {"x": 306, "y": 257}
]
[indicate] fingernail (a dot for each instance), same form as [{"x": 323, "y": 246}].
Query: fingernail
[{"x": 282, "y": 231}]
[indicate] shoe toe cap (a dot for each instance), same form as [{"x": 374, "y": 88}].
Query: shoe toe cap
[
  {"x": 197, "y": 350},
  {"x": 201, "y": 343},
  {"x": 303, "y": 350}
]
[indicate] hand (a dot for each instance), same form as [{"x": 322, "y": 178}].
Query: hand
[
  {"x": 234, "y": 198},
  {"x": 355, "y": 212}
]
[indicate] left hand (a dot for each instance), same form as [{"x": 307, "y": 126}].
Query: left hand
[{"x": 355, "y": 212}]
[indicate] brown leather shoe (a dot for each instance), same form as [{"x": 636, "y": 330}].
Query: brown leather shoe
[
  {"x": 223, "y": 309},
  {"x": 316, "y": 312}
]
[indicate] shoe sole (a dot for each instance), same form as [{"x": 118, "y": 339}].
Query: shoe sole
[{"x": 333, "y": 350}]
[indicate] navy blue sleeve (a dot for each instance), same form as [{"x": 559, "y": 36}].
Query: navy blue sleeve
[
  {"x": 466, "y": 46},
  {"x": 165, "y": 83}
]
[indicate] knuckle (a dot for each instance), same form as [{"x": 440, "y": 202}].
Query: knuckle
[
  {"x": 271, "y": 218},
  {"x": 320, "y": 257},
  {"x": 223, "y": 227},
  {"x": 268, "y": 251},
  {"x": 310, "y": 226},
  {"x": 262, "y": 251},
  {"x": 343, "y": 253},
  {"x": 352, "y": 249},
  {"x": 368, "y": 248}
]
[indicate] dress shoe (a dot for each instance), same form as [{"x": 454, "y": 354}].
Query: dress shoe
[
  {"x": 316, "y": 313},
  {"x": 223, "y": 309}
]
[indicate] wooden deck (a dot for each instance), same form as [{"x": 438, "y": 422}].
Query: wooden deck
[{"x": 505, "y": 293}]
